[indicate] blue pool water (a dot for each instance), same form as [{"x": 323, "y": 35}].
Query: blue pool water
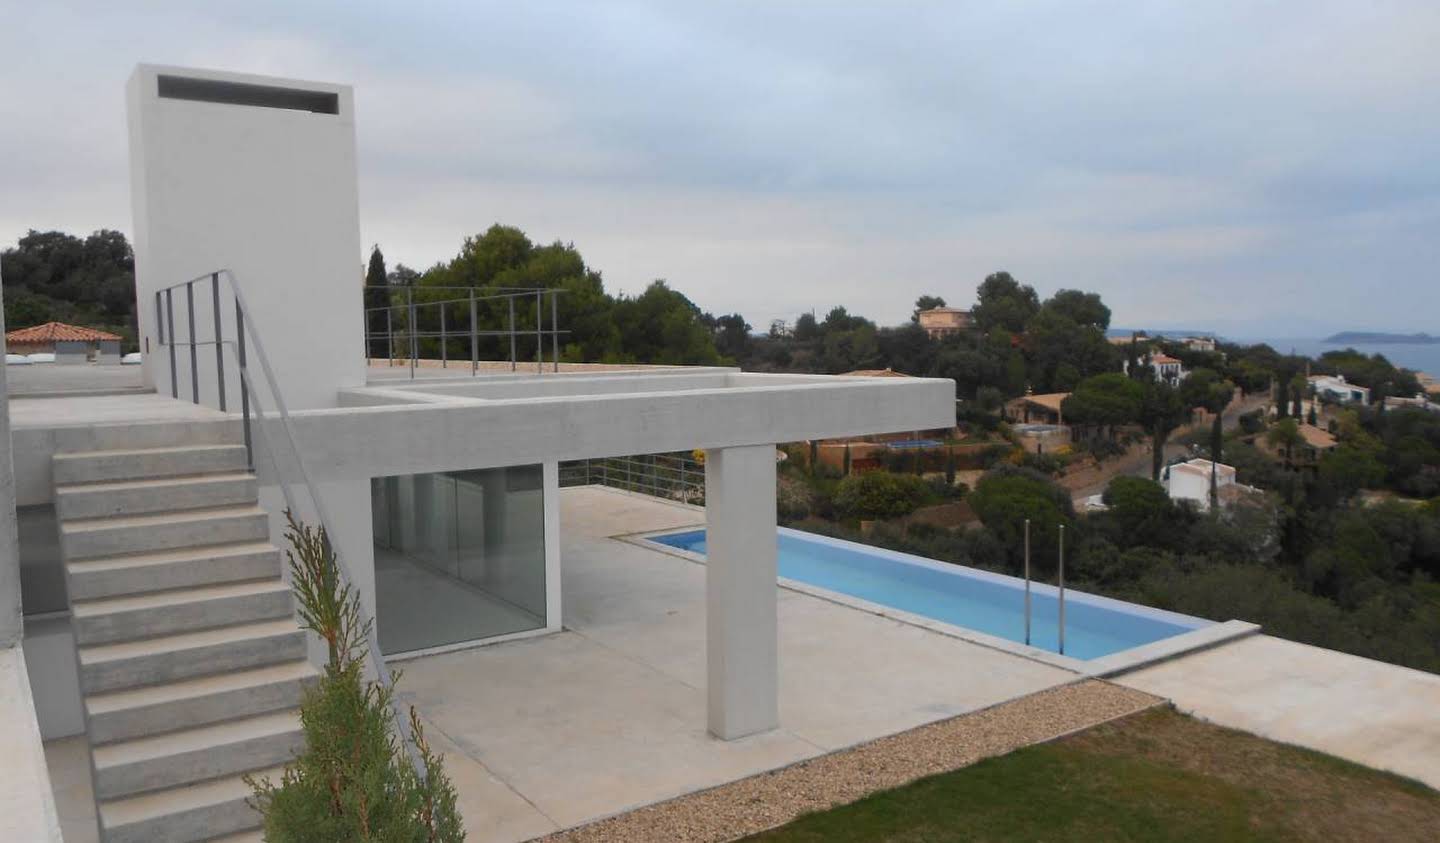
[
  {"x": 914, "y": 443},
  {"x": 966, "y": 597}
]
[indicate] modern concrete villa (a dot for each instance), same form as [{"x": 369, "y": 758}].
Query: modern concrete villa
[{"x": 574, "y": 652}]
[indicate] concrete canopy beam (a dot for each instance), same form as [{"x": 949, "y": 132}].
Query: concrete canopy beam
[{"x": 469, "y": 433}]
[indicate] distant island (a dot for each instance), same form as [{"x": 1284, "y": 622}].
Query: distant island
[{"x": 1380, "y": 338}]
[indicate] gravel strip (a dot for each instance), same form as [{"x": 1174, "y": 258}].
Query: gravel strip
[{"x": 771, "y": 799}]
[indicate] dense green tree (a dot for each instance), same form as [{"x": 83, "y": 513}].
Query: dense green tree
[
  {"x": 971, "y": 368},
  {"x": 1284, "y": 436},
  {"x": 1006, "y": 497},
  {"x": 906, "y": 349},
  {"x": 1003, "y": 302},
  {"x": 663, "y": 326},
  {"x": 1080, "y": 307},
  {"x": 54, "y": 276},
  {"x": 658, "y": 326},
  {"x": 1349, "y": 469},
  {"x": 1143, "y": 513},
  {"x": 1411, "y": 439},
  {"x": 1104, "y": 402},
  {"x": 732, "y": 335},
  {"x": 880, "y": 494},
  {"x": 377, "y": 302},
  {"x": 1062, "y": 351},
  {"x": 926, "y": 303},
  {"x": 402, "y": 276}
]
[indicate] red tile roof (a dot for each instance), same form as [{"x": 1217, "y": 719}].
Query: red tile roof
[{"x": 57, "y": 332}]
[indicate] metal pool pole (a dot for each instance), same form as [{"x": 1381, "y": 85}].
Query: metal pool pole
[
  {"x": 1062, "y": 589},
  {"x": 1027, "y": 582}
]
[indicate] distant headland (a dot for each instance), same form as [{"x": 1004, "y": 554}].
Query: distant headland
[{"x": 1380, "y": 338}]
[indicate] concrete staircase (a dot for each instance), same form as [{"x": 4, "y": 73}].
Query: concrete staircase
[{"x": 191, "y": 664}]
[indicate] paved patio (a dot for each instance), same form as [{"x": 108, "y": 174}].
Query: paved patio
[
  {"x": 608, "y": 715},
  {"x": 1366, "y": 711},
  {"x": 72, "y": 379}
]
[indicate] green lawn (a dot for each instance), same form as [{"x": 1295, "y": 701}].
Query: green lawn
[{"x": 1155, "y": 776}]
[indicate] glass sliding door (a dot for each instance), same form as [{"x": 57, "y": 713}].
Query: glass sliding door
[{"x": 459, "y": 556}]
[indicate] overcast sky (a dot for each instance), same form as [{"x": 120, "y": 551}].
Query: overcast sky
[{"x": 1251, "y": 167}]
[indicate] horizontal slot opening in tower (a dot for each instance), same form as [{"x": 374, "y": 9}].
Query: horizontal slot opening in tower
[{"x": 244, "y": 93}]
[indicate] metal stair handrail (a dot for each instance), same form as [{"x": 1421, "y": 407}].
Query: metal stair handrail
[{"x": 245, "y": 326}]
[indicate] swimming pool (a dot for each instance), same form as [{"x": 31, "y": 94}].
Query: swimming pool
[
  {"x": 977, "y": 600},
  {"x": 905, "y": 444}
]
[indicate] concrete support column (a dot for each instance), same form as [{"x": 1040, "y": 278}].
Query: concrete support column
[
  {"x": 12, "y": 626},
  {"x": 741, "y": 644},
  {"x": 551, "y": 485}
]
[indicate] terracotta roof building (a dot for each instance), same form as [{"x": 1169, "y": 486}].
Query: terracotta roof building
[
  {"x": 1037, "y": 409},
  {"x": 69, "y": 343}
]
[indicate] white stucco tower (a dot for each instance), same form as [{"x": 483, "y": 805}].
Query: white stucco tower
[{"x": 256, "y": 175}]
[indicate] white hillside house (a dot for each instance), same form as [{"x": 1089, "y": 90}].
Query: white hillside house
[
  {"x": 1334, "y": 388},
  {"x": 1166, "y": 368},
  {"x": 1190, "y": 481}
]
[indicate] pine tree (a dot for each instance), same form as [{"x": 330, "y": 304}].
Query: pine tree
[
  {"x": 376, "y": 298},
  {"x": 354, "y": 780}
]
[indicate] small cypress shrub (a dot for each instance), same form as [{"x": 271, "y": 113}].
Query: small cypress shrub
[{"x": 354, "y": 780}]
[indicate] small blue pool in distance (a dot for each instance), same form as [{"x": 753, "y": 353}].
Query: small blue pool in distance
[
  {"x": 905, "y": 444},
  {"x": 966, "y": 597}
]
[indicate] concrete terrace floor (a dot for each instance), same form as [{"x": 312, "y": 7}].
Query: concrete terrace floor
[
  {"x": 1370, "y": 712},
  {"x": 608, "y": 715}
]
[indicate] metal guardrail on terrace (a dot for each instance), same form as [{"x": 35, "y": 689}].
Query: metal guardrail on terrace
[
  {"x": 675, "y": 477},
  {"x": 405, "y": 323},
  {"x": 252, "y": 408}
]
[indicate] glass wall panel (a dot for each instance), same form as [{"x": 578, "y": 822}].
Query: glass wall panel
[{"x": 459, "y": 556}]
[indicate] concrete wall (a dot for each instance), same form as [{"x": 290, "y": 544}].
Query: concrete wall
[
  {"x": 53, "y": 671},
  {"x": 11, "y": 626},
  {"x": 269, "y": 193},
  {"x": 72, "y": 352},
  {"x": 27, "y": 804}
]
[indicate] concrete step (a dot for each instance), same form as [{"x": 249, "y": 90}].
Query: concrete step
[
  {"x": 122, "y": 715},
  {"x": 184, "y": 814},
  {"x": 93, "y": 537},
  {"x": 196, "y": 755},
  {"x": 112, "y": 667},
  {"x": 131, "y": 436},
  {"x": 93, "y": 579},
  {"x": 143, "y": 497},
  {"x": 184, "y": 610},
  {"x": 144, "y": 463}
]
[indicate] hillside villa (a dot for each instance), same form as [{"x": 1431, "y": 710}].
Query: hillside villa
[
  {"x": 1190, "y": 481},
  {"x": 1335, "y": 389},
  {"x": 1165, "y": 367},
  {"x": 944, "y": 321}
]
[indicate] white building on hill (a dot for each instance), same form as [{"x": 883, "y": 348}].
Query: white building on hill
[
  {"x": 1190, "y": 481},
  {"x": 1335, "y": 388}
]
